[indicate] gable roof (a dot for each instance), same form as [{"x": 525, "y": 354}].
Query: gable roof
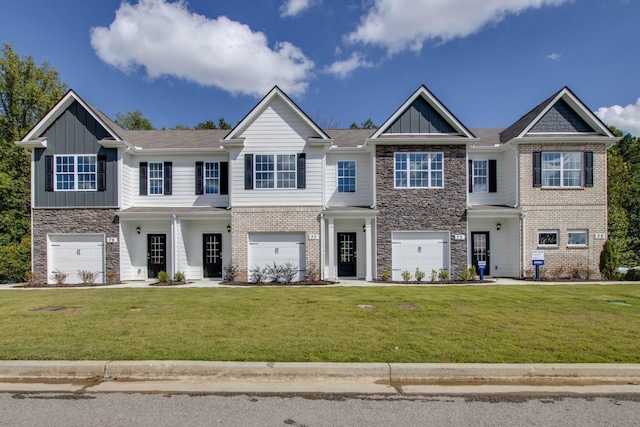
[
  {"x": 115, "y": 131},
  {"x": 426, "y": 103},
  {"x": 562, "y": 103},
  {"x": 274, "y": 93}
]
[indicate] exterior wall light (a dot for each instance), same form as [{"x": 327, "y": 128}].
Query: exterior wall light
[
  {"x": 138, "y": 229},
  {"x": 498, "y": 226},
  {"x": 228, "y": 229}
]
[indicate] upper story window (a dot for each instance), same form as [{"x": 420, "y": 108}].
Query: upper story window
[
  {"x": 75, "y": 173},
  {"x": 419, "y": 170},
  {"x": 346, "y": 176},
  {"x": 275, "y": 171},
  {"x": 563, "y": 169},
  {"x": 156, "y": 179},
  {"x": 211, "y": 178},
  {"x": 480, "y": 176}
]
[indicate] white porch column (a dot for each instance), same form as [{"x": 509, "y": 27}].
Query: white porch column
[
  {"x": 332, "y": 250},
  {"x": 175, "y": 224},
  {"x": 369, "y": 250}
]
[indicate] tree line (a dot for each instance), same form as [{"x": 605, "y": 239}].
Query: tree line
[{"x": 29, "y": 90}]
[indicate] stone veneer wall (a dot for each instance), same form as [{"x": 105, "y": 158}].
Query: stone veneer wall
[
  {"x": 565, "y": 209},
  {"x": 79, "y": 221},
  {"x": 429, "y": 209},
  {"x": 273, "y": 219}
]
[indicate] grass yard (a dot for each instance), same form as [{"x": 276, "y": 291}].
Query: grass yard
[{"x": 516, "y": 324}]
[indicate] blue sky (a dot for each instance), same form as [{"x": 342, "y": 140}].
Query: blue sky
[{"x": 341, "y": 61}]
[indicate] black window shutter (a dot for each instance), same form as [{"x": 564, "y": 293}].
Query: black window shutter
[
  {"x": 224, "y": 178},
  {"x": 168, "y": 166},
  {"x": 493, "y": 181},
  {"x": 199, "y": 178},
  {"x": 302, "y": 170},
  {"x": 470, "y": 176},
  {"x": 102, "y": 173},
  {"x": 537, "y": 169},
  {"x": 588, "y": 169},
  {"x": 248, "y": 171},
  {"x": 48, "y": 173},
  {"x": 143, "y": 178}
]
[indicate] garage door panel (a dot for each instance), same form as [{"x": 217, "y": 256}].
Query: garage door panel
[
  {"x": 424, "y": 250},
  {"x": 265, "y": 249},
  {"x": 70, "y": 253}
]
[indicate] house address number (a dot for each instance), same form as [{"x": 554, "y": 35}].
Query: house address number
[
  {"x": 459, "y": 237},
  {"x": 600, "y": 236},
  {"x": 314, "y": 237},
  {"x": 112, "y": 240}
]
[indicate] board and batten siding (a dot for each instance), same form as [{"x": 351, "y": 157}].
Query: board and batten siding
[
  {"x": 278, "y": 130},
  {"x": 364, "y": 180},
  {"x": 182, "y": 182}
]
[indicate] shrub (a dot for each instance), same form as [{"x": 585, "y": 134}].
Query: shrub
[
  {"x": 281, "y": 273},
  {"x": 609, "y": 260},
  {"x": 32, "y": 278},
  {"x": 163, "y": 277},
  {"x": 468, "y": 273},
  {"x": 632, "y": 274},
  {"x": 87, "y": 277},
  {"x": 59, "y": 277},
  {"x": 312, "y": 272},
  {"x": 15, "y": 260},
  {"x": 112, "y": 278},
  {"x": 231, "y": 272},
  {"x": 443, "y": 274},
  {"x": 257, "y": 274},
  {"x": 557, "y": 272},
  {"x": 406, "y": 275},
  {"x": 434, "y": 275},
  {"x": 384, "y": 275},
  {"x": 179, "y": 276},
  {"x": 419, "y": 275}
]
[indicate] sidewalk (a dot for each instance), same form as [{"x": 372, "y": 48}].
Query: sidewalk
[{"x": 283, "y": 378}]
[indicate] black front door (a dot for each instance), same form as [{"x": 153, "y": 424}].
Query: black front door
[
  {"x": 156, "y": 254},
  {"x": 480, "y": 250},
  {"x": 212, "y": 255},
  {"x": 347, "y": 254}
]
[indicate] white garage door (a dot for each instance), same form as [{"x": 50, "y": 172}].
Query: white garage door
[
  {"x": 424, "y": 250},
  {"x": 70, "y": 253},
  {"x": 265, "y": 249}
]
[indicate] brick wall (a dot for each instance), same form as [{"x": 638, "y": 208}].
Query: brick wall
[
  {"x": 429, "y": 209},
  {"x": 77, "y": 220},
  {"x": 273, "y": 219}
]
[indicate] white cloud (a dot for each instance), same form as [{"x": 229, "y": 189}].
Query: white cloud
[
  {"x": 554, "y": 56},
  {"x": 294, "y": 7},
  {"x": 343, "y": 68},
  {"x": 168, "y": 40},
  {"x": 626, "y": 118},
  {"x": 399, "y": 25}
]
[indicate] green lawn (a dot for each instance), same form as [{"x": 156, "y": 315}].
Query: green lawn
[{"x": 518, "y": 324}]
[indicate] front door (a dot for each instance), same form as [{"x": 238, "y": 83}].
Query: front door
[
  {"x": 156, "y": 254},
  {"x": 212, "y": 255},
  {"x": 347, "y": 254},
  {"x": 480, "y": 250}
]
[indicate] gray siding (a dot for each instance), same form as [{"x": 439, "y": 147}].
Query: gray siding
[
  {"x": 429, "y": 209},
  {"x": 561, "y": 118},
  {"x": 75, "y": 132},
  {"x": 420, "y": 117}
]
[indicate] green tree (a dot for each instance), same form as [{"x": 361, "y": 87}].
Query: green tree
[
  {"x": 367, "y": 124},
  {"x": 206, "y": 125},
  {"x": 222, "y": 124},
  {"x": 133, "y": 120},
  {"x": 27, "y": 93},
  {"x": 180, "y": 127}
]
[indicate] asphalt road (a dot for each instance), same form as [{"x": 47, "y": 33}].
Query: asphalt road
[{"x": 120, "y": 409}]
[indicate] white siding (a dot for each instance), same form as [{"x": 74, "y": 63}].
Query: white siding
[
  {"x": 278, "y": 130},
  {"x": 504, "y": 245},
  {"x": 133, "y": 249},
  {"x": 128, "y": 182},
  {"x": 190, "y": 245},
  {"x": 364, "y": 181},
  {"x": 492, "y": 199},
  {"x": 183, "y": 182},
  {"x": 511, "y": 177}
]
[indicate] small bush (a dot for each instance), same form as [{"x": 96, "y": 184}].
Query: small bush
[
  {"x": 632, "y": 275},
  {"x": 112, "y": 278},
  {"x": 443, "y": 274},
  {"x": 468, "y": 273},
  {"x": 179, "y": 276},
  {"x": 609, "y": 260},
  {"x": 312, "y": 272},
  {"x": 163, "y": 277},
  {"x": 281, "y": 273},
  {"x": 434, "y": 275},
  {"x": 419, "y": 275},
  {"x": 384, "y": 275},
  {"x": 231, "y": 272},
  {"x": 32, "y": 278},
  {"x": 59, "y": 277},
  {"x": 406, "y": 275},
  {"x": 257, "y": 274},
  {"x": 557, "y": 272},
  {"x": 87, "y": 277}
]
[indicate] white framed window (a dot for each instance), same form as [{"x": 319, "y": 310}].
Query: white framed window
[
  {"x": 75, "y": 172},
  {"x": 548, "y": 237},
  {"x": 156, "y": 178},
  {"x": 419, "y": 170},
  {"x": 211, "y": 178},
  {"x": 346, "y": 176},
  {"x": 561, "y": 169},
  {"x": 480, "y": 176},
  {"x": 275, "y": 171},
  {"x": 577, "y": 237}
]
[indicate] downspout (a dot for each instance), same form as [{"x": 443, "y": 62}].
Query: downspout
[
  {"x": 523, "y": 239},
  {"x": 174, "y": 245}
]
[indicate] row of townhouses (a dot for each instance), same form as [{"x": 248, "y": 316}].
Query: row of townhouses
[{"x": 421, "y": 191}]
